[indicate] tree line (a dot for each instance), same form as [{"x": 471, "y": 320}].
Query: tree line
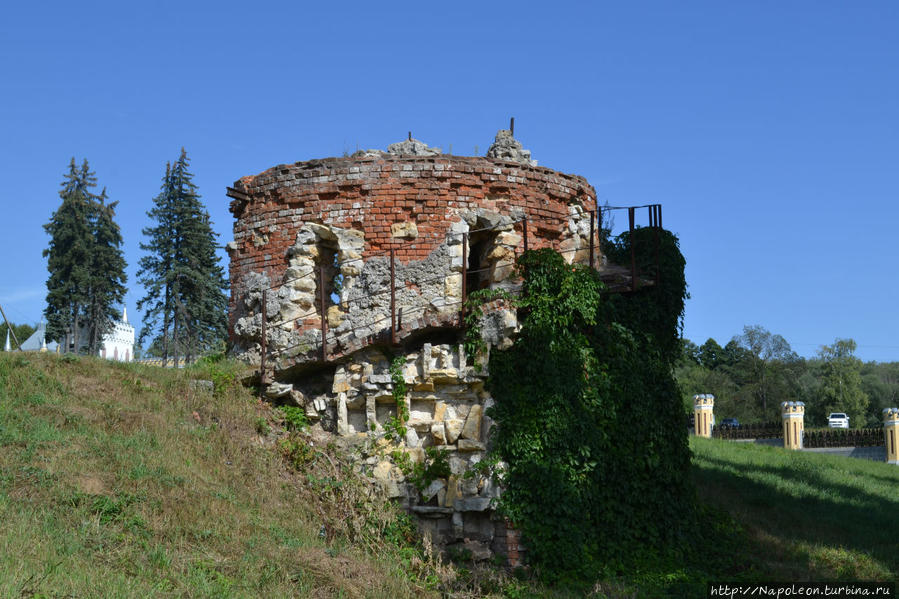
[
  {"x": 757, "y": 370},
  {"x": 184, "y": 282}
]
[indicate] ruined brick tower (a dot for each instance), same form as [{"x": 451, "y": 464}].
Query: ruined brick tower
[{"x": 354, "y": 259}]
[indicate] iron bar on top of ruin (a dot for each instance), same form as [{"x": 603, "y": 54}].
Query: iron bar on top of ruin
[
  {"x": 263, "y": 347},
  {"x": 324, "y": 311},
  {"x": 392, "y": 297},
  {"x": 630, "y": 218}
]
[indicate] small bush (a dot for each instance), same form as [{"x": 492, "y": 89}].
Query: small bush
[{"x": 294, "y": 418}]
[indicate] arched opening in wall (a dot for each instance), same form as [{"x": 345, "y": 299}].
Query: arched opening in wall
[
  {"x": 480, "y": 245},
  {"x": 333, "y": 278}
]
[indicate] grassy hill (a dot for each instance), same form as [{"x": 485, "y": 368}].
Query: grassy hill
[{"x": 121, "y": 480}]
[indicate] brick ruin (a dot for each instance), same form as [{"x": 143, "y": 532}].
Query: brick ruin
[{"x": 353, "y": 260}]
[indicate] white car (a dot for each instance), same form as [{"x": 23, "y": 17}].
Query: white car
[{"x": 838, "y": 420}]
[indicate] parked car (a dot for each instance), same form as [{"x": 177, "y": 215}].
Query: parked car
[
  {"x": 838, "y": 420},
  {"x": 731, "y": 422}
]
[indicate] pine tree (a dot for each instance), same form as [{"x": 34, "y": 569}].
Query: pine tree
[
  {"x": 84, "y": 258},
  {"x": 107, "y": 273},
  {"x": 181, "y": 271}
]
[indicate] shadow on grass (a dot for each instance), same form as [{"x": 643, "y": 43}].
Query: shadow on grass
[{"x": 817, "y": 510}]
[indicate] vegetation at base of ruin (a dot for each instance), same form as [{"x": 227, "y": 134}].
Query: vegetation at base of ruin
[
  {"x": 586, "y": 411},
  {"x": 806, "y": 516},
  {"x": 185, "y": 308},
  {"x": 395, "y": 427},
  {"x": 294, "y": 417},
  {"x": 473, "y": 343},
  {"x": 754, "y": 372},
  {"x": 85, "y": 261},
  {"x": 421, "y": 474}
]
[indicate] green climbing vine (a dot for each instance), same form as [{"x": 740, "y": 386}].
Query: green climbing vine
[
  {"x": 473, "y": 341},
  {"x": 588, "y": 417},
  {"x": 395, "y": 427}
]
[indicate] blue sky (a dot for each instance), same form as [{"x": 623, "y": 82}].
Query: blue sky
[{"x": 768, "y": 130}]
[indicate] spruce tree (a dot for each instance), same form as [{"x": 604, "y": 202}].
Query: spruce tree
[
  {"x": 181, "y": 272},
  {"x": 84, "y": 258},
  {"x": 107, "y": 273}
]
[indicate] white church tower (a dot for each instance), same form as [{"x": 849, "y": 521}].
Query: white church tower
[{"x": 118, "y": 343}]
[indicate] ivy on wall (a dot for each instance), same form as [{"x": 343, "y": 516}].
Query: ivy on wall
[{"x": 588, "y": 415}]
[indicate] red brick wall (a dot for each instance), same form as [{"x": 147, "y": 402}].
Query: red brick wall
[{"x": 371, "y": 194}]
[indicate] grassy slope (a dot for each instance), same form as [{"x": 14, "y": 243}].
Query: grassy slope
[
  {"x": 807, "y": 516},
  {"x": 122, "y": 481}
]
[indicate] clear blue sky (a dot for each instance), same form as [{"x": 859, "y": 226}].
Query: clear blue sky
[{"x": 768, "y": 130}]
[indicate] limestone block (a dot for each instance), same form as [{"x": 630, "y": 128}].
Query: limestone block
[
  {"x": 433, "y": 489},
  {"x": 453, "y": 429},
  {"x": 472, "y": 428},
  {"x": 322, "y": 231},
  {"x": 438, "y": 432},
  {"x": 453, "y": 491},
  {"x": 412, "y": 439},
  {"x": 567, "y": 248},
  {"x": 452, "y": 287},
  {"x": 343, "y": 427},
  {"x": 469, "y": 486},
  {"x": 445, "y": 376},
  {"x": 404, "y": 230},
  {"x": 508, "y": 238},
  {"x": 470, "y": 445},
  {"x": 416, "y": 454},
  {"x": 427, "y": 386},
  {"x": 354, "y": 368},
  {"x": 335, "y": 317},
  {"x": 421, "y": 424},
  {"x": 458, "y": 525},
  {"x": 439, "y": 411},
  {"x": 380, "y": 379},
  {"x": 278, "y": 390},
  {"x": 472, "y": 504},
  {"x": 341, "y": 385},
  {"x": 300, "y": 279},
  {"x": 457, "y": 465},
  {"x": 371, "y": 411}
]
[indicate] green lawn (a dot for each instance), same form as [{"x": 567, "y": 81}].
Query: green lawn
[{"x": 807, "y": 516}]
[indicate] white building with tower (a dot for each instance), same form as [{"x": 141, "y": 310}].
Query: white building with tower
[{"x": 117, "y": 344}]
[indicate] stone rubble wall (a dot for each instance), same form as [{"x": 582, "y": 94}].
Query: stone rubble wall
[
  {"x": 446, "y": 402},
  {"x": 345, "y": 214}
]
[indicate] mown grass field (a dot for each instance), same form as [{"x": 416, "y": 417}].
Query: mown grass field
[{"x": 121, "y": 480}]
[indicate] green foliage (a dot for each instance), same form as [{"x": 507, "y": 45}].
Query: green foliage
[
  {"x": 85, "y": 261},
  {"x": 435, "y": 465},
  {"x": 474, "y": 310},
  {"x": 395, "y": 427},
  {"x": 184, "y": 305},
  {"x": 20, "y": 331},
  {"x": 221, "y": 371},
  {"x": 294, "y": 417},
  {"x": 841, "y": 387},
  {"x": 588, "y": 417}
]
